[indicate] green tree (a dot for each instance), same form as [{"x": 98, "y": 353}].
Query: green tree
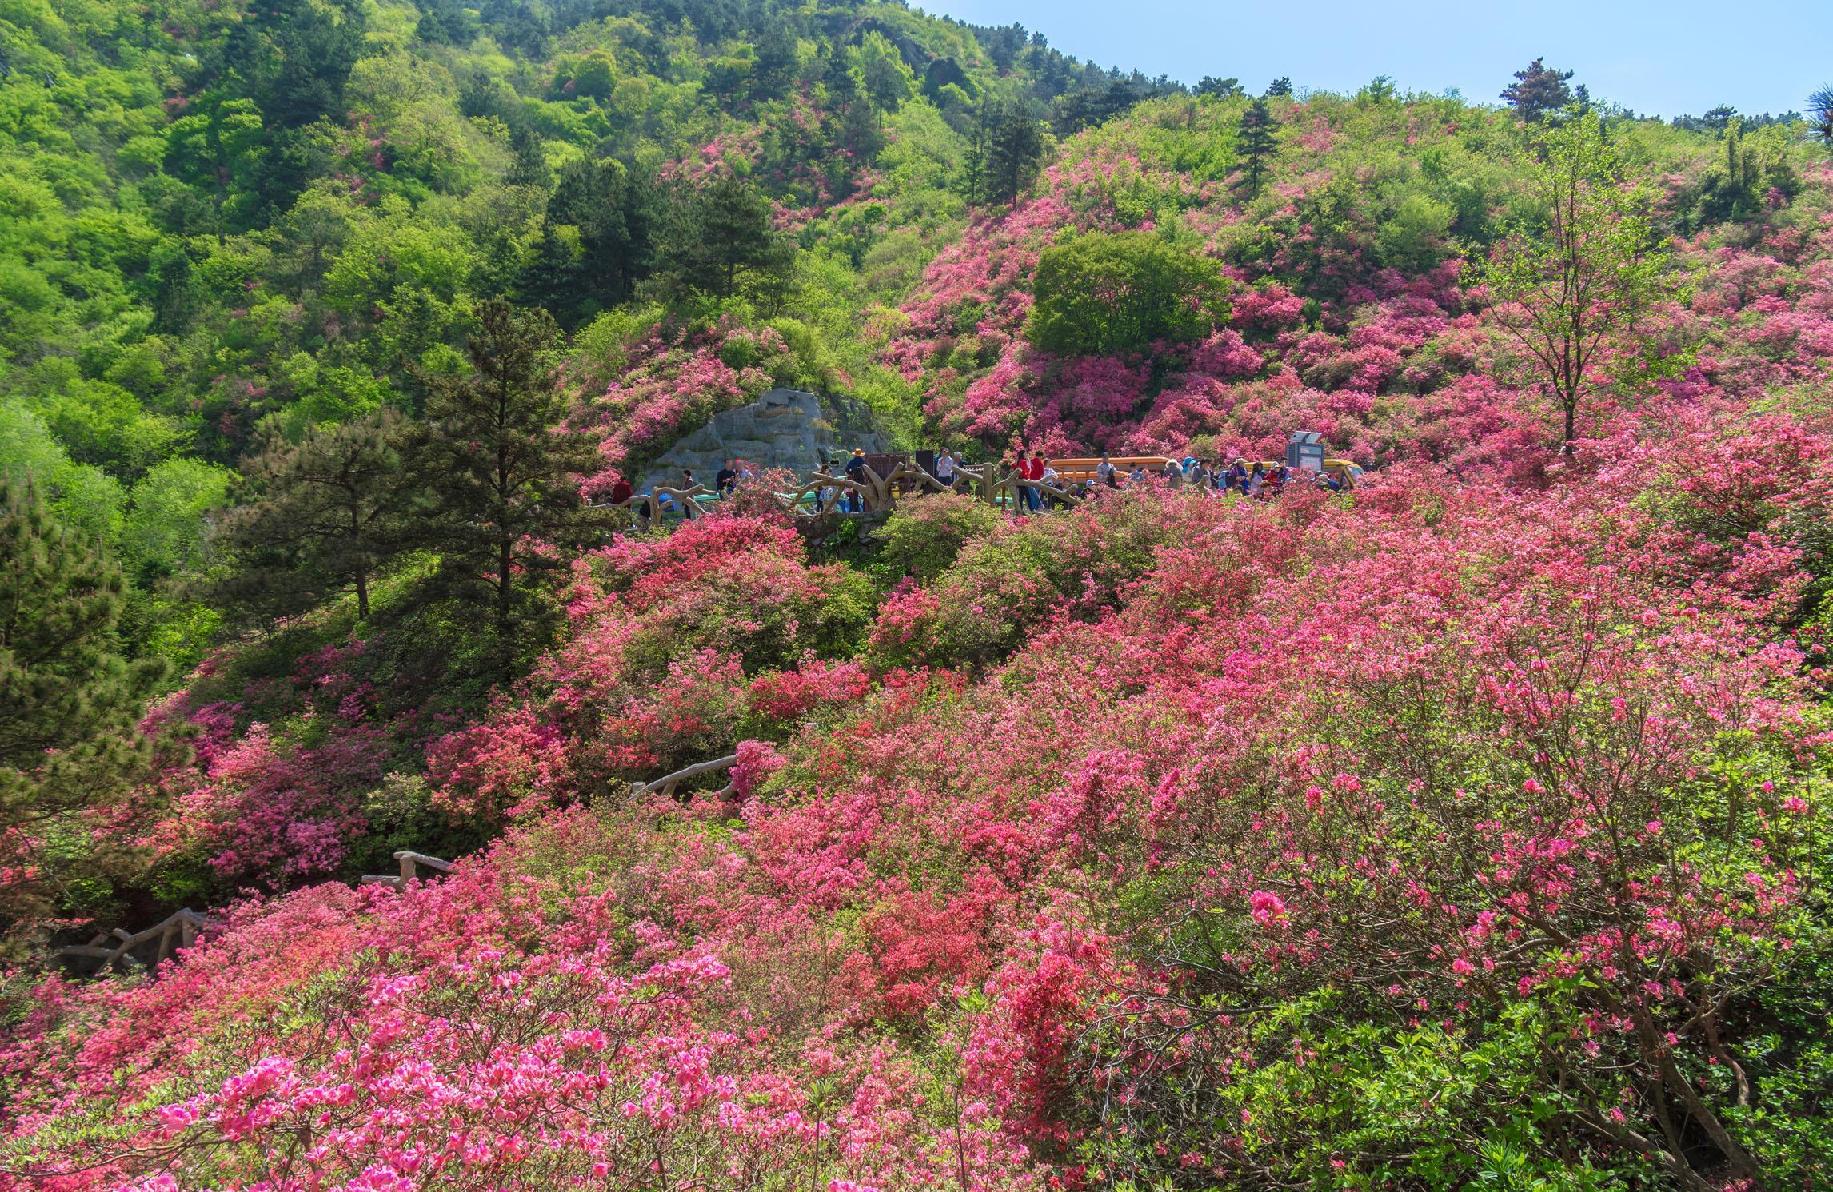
[
  {"x": 598, "y": 241},
  {"x": 1569, "y": 288},
  {"x": 1106, "y": 292},
  {"x": 1413, "y": 238},
  {"x": 68, "y": 703},
  {"x": 1220, "y": 88},
  {"x": 163, "y": 533},
  {"x": 503, "y": 480},
  {"x": 1014, "y": 146},
  {"x": 1737, "y": 188},
  {"x": 1255, "y": 144},
  {"x": 221, "y": 149},
  {"x": 294, "y": 57},
  {"x": 1820, "y": 110},
  {"x": 881, "y": 68},
  {"x": 1539, "y": 89},
  {"x": 325, "y": 513},
  {"x": 722, "y": 242}
]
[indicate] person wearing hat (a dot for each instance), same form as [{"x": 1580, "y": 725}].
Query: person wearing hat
[{"x": 856, "y": 472}]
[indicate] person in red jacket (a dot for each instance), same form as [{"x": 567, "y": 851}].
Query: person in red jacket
[
  {"x": 1034, "y": 472},
  {"x": 620, "y": 492}
]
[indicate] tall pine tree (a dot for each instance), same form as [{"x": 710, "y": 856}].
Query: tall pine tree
[
  {"x": 1539, "y": 89},
  {"x": 1255, "y": 144},
  {"x": 723, "y": 242},
  {"x": 1014, "y": 147},
  {"x": 68, "y": 703},
  {"x": 598, "y": 242},
  {"x": 503, "y": 478},
  {"x": 327, "y": 513}
]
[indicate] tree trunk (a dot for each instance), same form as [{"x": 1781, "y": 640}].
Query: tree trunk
[
  {"x": 362, "y": 593},
  {"x": 502, "y": 587}
]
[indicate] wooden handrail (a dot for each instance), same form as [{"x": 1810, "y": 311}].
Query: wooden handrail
[
  {"x": 410, "y": 863},
  {"x": 178, "y": 929},
  {"x": 666, "y": 784},
  {"x": 409, "y": 859}
]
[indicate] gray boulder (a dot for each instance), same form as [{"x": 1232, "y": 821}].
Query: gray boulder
[{"x": 785, "y": 428}]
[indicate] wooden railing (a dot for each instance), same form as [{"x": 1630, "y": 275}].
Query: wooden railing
[
  {"x": 668, "y": 784},
  {"x": 410, "y": 863},
  {"x": 117, "y": 948},
  {"x": 1083, "y": 468},
  {"x": 180, "y": 929}
]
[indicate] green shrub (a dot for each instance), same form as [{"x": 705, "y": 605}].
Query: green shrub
[{"x": 1107, "y": 292}]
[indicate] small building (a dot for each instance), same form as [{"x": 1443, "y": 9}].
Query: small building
[{"x": 1305, "y": 451}]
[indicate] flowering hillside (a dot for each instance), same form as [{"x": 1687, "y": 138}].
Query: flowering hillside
[
  {"x": 1467, "y": 827},
  {"x": 1505, "y": 784}
]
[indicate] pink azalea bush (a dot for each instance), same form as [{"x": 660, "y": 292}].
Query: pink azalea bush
[{"x": 1521, "y": 781}]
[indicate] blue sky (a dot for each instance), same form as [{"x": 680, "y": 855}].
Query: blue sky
[{"x": 1657, "y": 58}]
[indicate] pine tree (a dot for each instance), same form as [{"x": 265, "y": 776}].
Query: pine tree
[
  {"x": 1538, "y": 90},
  {"x": 530, "y": 167},
  {"x": 1280, "y": 87},
  {"x": 503, "y": 480},
  {"x": 328, "y": 513},
  {"x": 1014, "y": 147},
  {"x": 1255, "y": 143},
  {"x": 598, "y": 241},
  {"x": 1820, "y": 110},
  {"x": 68, "y": 701},
  {"x": 295, "y": 57},
  {"x": 1219, "y": 88},
  {"x": 723, "y": 241},
  {"x": 973, "y": 180}
]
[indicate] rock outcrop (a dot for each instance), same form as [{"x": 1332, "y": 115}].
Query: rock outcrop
[{"x": 785, "y": 428}]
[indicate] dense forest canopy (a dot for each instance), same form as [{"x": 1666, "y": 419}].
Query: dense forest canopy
[{"x": 1465, "y": 828}]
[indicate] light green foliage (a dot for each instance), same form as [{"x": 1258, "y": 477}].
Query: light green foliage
[
  {"x": 1103, "y": 293},
  {"x": 887, "y": 79},
  {"x": 1416, "y": 236},
  {"x": 923, "y": 538},
  {"x": 98, "y": 422},
  {"x": 79, "y": 495},
  {"x": 164, "y": 530},
  {"x": 1577, "y": 278}
]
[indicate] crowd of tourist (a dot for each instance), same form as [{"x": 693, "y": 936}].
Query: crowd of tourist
[
  {"x": 1257, "y": 479},
  {"x": 1035, "y": 481}
]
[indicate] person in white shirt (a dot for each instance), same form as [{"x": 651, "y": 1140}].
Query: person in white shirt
[
  {"x": 1104, "y": 472},
  {"x": 945, "y": 468}
]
